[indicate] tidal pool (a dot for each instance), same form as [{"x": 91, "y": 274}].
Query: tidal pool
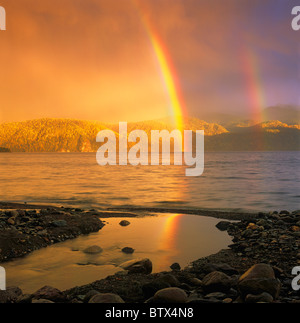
[{"x": 163, "y": 238}]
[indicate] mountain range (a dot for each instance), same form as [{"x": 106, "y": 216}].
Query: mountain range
[{"x": 68, "y": 135}]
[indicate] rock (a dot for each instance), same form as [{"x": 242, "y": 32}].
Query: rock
[
  {"x": 175, "y": 266},
  {"x": 149, "y": 289},
  {"x": 11, "y": 221},
  {"x": 295, "y": 228},
  {"x": 108, "y": 298},
  {"x": 24, "y": 299},
  {"x": 217, "y": 295},
  {"x": 13, "y": 213},
  {"x": 216, "y": 281},
  {"x": 49, "y": 293},
  {"x": 261, "y": 298},
  {"x": 142, "y": 266},
  {"x": 93, "y": 250},
  {"x": 223, "y": 225},
  {"x": 124, "y": 223},
  {"x": 128, "y": 250},
  {"x": 258, "y": 279},
  {"x": 89, "y": 295},
  {"x": 169, "y": 279},
  {"x": 10, "y": 295},
  {"x": 170, "y": 295},
  {"x": 284, "y": 212},
  {"x": 195, "y": 282},
  {"x": 222, "y": 267},
  {"x": 41, "y": 301},
  {"x": 227, "y": 300},
  {"x": 60, "y": 223}
]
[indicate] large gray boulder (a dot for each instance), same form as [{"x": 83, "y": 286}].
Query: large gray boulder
[
  {"x": 216, "y": 281},
  {"x": 258, "y": 279}
]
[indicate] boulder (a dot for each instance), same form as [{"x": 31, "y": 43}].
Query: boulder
[
  {"x": 170, "y": 295},
  {"x": 223, "y": 225},
  {"x": 258, "y": 279},
  {"x": 175, "y": 266},
  {"x": 149, "y": 289},
  {"x": 222, "y": 267},
  {"x": 128, "y": 250},
  {"x": 41, "y": 301},
  {"x": 93, "y": 250},
  {"x": 124, "y": 223},
  {"x": 108, "y": 298},
  {"x": 261, "y": 298},
  {"x": 49, "y": 293},
  {"x": 135, "y": 266},
  {"x": 89, "y": 295},
  {"x": 216, "y": 281},
  {"x": 60, "y": 223},
  {"x": 10, "y": 295}
]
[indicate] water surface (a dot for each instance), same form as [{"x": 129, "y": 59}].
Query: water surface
[
  {"x": 257, "y": 181},
  {"x": 164, "y": 239}
]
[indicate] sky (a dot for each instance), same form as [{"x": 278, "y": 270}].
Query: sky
[{"x": 93, "y": 59}]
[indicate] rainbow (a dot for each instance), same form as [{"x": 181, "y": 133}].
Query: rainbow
[
  {"x": 254, "y": 84},
  {"x": 167, "y": 70}
]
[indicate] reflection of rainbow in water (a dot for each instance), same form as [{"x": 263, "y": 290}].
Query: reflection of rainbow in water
[{"x": 169, "y": 232}]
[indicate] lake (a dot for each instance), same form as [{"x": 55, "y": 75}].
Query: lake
[{"x": 249, "y": 181}]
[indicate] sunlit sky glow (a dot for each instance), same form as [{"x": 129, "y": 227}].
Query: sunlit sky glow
[{"x": 93, "y": 59}]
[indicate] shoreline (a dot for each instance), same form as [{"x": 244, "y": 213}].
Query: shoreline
[{"x": 269, "y": 238}]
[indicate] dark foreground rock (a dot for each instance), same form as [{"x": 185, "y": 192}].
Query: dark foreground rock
[
  {"x": 255, "y": 269},
  {"x": 257, "y": 285},
  {"x": 25, "y": 230},
  {"x": 142, "y": 266}
]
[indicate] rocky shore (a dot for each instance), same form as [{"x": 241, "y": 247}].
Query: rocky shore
[
  {"x": 25, "y": 228},
  {"x": 256, "y": 268}
]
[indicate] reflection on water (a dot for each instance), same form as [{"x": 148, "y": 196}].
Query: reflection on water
[
  {"x": 164, "y": 239},
  {"x": 260, "y": 181}
]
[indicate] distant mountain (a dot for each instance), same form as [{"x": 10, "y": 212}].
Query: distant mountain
[
  {"x": 67, "y": 135},
  {"x": 211, "y": 129},
  {"x": 287, "y": 113},
  {"x": 50, "y": 135},
  {"x": 267, "y": 136}
]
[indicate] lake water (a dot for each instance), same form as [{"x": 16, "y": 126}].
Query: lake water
[
  {"x": 257, "y": 181},
  {"x": 165, "y": 239},
  {"x": 250, "y": 181}
]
